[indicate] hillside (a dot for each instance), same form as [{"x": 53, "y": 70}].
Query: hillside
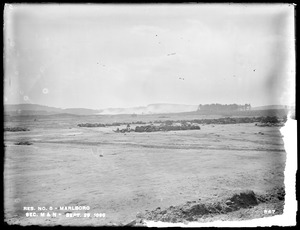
[
  {"x": 30, "y": 107},
  {"x": 34, "y": 109}
]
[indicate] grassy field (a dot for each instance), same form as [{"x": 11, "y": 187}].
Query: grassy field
[{"x": 124, "y": 174}]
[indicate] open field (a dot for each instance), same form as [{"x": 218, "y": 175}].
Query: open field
[{"x": 125, "y": 174}]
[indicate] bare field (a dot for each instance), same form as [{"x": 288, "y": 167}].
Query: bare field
[{"x": 122, "y": 175}]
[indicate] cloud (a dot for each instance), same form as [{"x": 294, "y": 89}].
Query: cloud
[{"x": 106, "y": 55}]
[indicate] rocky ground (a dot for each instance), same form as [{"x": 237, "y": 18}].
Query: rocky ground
[{"x": 242, "y": 205}]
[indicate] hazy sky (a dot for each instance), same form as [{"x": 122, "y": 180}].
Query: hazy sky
[{"x": 99, "y": 56}]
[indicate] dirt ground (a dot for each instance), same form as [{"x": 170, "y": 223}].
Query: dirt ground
[{"x": 123, "y": 175}]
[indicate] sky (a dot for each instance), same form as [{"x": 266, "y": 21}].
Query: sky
[{"x": 116, "y": 56}]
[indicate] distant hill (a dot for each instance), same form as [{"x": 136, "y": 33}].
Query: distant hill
[
  {"x": 152, "y": 109},
  {"x": 34, "y": 109},
  {"x": 159, "y": 108},
  {"x": 30, "y": 107}
]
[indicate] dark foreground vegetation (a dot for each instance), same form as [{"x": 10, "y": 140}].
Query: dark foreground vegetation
[
  {"x": 15, "y": 129},
  {"x": 23, "y": 143},
  {"x": 234, "y": 120},
  {"x": 193, "y": 210},
  {"x": 91, "y": 125},
  {"x": 168, "y": 125},
  {"x": 162, "y": 127}
]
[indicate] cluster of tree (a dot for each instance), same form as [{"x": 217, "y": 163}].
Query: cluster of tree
[{"x": 220, "y": 107}]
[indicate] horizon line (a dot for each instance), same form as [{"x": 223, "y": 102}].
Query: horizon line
[{"x": 145, "y": 105}]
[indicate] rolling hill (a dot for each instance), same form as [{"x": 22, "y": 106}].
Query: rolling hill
[
  {"x": 34, "y": 109},
  {"x": 158, "y": 108}
]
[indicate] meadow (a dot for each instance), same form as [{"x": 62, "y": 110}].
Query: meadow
[{"x": 127, "y": 175}]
